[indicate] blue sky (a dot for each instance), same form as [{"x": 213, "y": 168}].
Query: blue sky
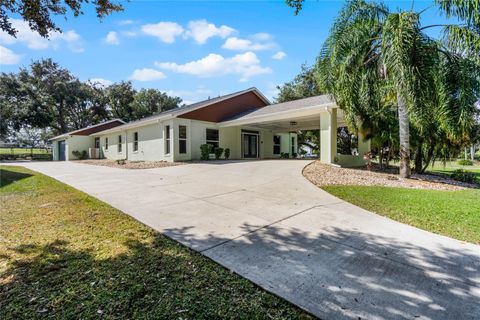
[{"x": 193, "y": 49}]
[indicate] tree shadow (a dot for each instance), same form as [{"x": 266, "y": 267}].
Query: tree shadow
[
  {"x": 157, "y": 279},
  {"x": 347, "y": 274},
  {"x": 7, "y": 177}
]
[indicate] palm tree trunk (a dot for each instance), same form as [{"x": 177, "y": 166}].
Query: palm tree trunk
[{"x": 404, "y": 126}]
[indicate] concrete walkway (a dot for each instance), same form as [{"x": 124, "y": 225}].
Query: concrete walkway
[{"x": 266, "y": 222}]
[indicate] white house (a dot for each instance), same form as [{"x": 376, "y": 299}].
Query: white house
[{"x": 245, "y": 122}]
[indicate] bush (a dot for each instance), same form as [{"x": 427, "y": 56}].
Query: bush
[
  {"x": 463, "y": 175},
  {"x": 294, "y": 156},
  {"x": 80, "y": 155},
  {"x": 227, "y": 153},
  {"x": 284, "y": 155},
  {"x": 218, "y": 152},
  {"x": 121, "y": 161},
  {"x": 465, "y": 162},
  {"x": 205, "y": 150}
]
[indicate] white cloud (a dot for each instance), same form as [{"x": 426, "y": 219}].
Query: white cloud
[
  {"x": 164, "y": 31},
  {"x": 126, "y": 22},
  {"x": 112, "y": 38},
  {"x": 7, "y": 56},
  {"x": 202, "y": 30},
  {"x": 34, "y": 41},
  {"x": 100, "y": 82},
  {"x": 279, "y": 55},
  {"x": 238, "y": 44},
  {"x": 246, "y": 65},
  {"x": 147, "y": 74}
]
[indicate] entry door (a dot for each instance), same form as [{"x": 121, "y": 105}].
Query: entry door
[
  {"x": 61, "y": 150},
  {"x": 250, "y": 145}
]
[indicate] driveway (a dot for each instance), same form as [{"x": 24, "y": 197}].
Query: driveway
[{"x": 266, "y": 222}]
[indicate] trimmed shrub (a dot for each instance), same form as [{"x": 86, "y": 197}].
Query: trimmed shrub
[
  {"x": 284, "y": 155},
  {"x": 218, "y": 153},
  {"x": 80, "y": 155},
  {"x": 205, "y": 150},
  {"x": 227, "y": 153},
  {"x": 465, "y": 162},
  {"x": 463, "y": 175}
]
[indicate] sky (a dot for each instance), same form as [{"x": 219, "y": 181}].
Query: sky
[{"x": 190, "y": 49}]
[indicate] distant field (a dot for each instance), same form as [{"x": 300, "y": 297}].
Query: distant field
[
  {"x": 448, "y": 167},
  {"x": 23, "y": 150}
]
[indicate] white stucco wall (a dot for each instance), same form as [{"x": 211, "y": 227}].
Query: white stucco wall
[
  {"x": 150, "y": 143},
  {"x": 112, "y": 151},
  {"x": 77, "y": 143}
]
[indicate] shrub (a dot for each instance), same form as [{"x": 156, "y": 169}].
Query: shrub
[
  {"x": 463, "y": 175},
  {"x": 294, "y": 156},
  {"x": 121, "y": 161},
  {"x": 284, "y": 155},
  {"x": 465, "y": 162},
  {"x": 205, "y": 150},
  {"x": 80, "y": 155},
  {"x": 227, "y": 153},
  {"x": 218, "y": 152}
]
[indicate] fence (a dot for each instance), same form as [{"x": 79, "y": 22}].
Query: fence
[{"x": 25, "y": 153}]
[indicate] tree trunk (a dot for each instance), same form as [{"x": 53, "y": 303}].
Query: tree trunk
[
  {"x": 404, "y": 126},
  {"x": 431, "y": 150},
  {"x": 419, "y": 157}
]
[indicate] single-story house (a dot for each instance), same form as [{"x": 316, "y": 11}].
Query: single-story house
[{"x": 245, "y": 122}]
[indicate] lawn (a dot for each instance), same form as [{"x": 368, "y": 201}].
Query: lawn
[
  {"x": 23, "y": 151},
  {"x": 454, "y": 214},
  {"x": 66, "y": 255},
  {"x": 448, "y": 167}
]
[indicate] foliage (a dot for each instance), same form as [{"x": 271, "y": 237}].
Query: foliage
[
  {"x": 465, "y": 162},
  {"x": 302, "y": 86},
  {"x": 284, "y": 155},
  {"x": 39, "y": 14},
  {"x": 205, "y": 150},
  {"x": 450, "y": 213},
  {"x": 218, "y": 152},
  {"x": 227, "y": 153},
  {"x": 151, "y": 101},
  {"x": 463, "y": 175},
  {"x": 81, "y": 155},
  {"x": 68, "y": 255}
]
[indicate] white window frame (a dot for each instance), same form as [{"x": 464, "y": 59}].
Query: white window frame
[
  {"x": 167, "y": 139},
  {"x": 216, "y": 141},
  {"x": 182, "y": 139}
]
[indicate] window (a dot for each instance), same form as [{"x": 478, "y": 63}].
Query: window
[
  {"x": 212, "y": 137},
  {"x": 106, "y": 143},
  {"x": 293, "y": 146},
  {"x": 167, "y": 139},
  {"x": 97, "y": 143},
  {"x": 119, "y": 146},
  {"x": 276, "y": 144},
  {"x": 135, "y": 141},
  {"x": 182, "y": 139}
]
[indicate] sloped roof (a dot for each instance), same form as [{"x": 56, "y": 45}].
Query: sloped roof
[
  {"x": 294, "y": 105},
  {"x": 92, "y": 129},
  {"x": 173, "y": 113}
]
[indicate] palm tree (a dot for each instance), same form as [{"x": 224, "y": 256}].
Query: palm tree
[{"x": 375, "y": 60}]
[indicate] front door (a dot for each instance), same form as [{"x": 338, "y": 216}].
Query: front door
[
  {"x": 61, "y": 150},
  {"x": 250, "y": 145}
]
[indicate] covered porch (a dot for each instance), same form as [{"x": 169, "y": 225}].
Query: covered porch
[{"x": 316, "y": 113}]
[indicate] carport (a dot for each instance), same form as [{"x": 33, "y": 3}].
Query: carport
[{"x": 315, "y": 113}]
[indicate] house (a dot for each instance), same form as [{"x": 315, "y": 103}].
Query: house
[
  {"x": 245, "y": 122},
  {"x": 65, "y": 145}
]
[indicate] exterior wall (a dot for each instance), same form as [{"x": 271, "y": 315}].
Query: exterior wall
[
  {"x": 150, "y": 143},
  {"x": 286, "y": 143},
  {"x": 77, "y": 143},
  {"x": 112, "y": 152},
  {"x": 355, "y": 161},
  {"x": 55, "y": 149}
]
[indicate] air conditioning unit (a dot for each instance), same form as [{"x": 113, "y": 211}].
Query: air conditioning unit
[{"x": 94, "y": 153}]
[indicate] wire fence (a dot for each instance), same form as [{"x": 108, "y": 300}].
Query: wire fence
[{"x": 19, "y": 153}]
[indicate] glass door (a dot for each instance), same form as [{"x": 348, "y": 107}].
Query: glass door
[{"x": 250, "y": 145}]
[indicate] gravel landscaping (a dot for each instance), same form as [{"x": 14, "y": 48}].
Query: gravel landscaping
[
  {"x": 328, "y": 175},
  {"x": 130, "y": 164}
]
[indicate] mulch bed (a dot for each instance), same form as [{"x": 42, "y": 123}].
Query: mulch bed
[
  {"x": 326, "y": 175},
  {"x": 130, "y": 164}
]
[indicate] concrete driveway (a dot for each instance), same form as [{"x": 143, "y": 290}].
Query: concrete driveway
[{"x": 265, "y": 221}]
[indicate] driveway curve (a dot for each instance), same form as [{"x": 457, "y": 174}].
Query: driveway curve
[{"x": 266, "y": 222}]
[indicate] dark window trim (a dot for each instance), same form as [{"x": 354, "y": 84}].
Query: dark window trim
[
  {"x": 182, "y": 142},
  {"x": 135, "y": 141}
]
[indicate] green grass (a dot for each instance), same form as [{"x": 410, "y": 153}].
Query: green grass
[
  {"x": 447, "y": 169},
  {"x": 66, "y": 255},
  {"x": 454, "y": 214},
  {"x": 23, "y": 151}
]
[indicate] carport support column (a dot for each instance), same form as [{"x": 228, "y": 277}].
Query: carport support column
[{"x": 328, "y": 136}]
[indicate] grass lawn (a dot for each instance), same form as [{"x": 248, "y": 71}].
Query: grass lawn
[
  {"x": 455, "y": 214},
  {"x": 64, "y": 254},
  {"x": 451, "y": 166},
  {"x": 23, "y": 151}
]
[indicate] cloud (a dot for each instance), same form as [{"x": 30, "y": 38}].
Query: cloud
[
  {"x": 238, "y": 44},
  {"x": 202, "y": 30},
  {"x": 100, "y": 82},
  {"x": 279, "y": 55},
  {"x": 35, "y": 42},
  {"x": 112, "y": 38},
  {"x": 164, "y": 31},
  {"x": 246, "y": 65},
  {"x": 147, "y": 74},
  {"x": 8, "y": 56},
  {"x": 126, "y": 22}
]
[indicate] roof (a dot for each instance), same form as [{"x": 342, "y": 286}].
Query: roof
[
  {"x": 92, "y": 129},
  {"x": 305, "y": 104},
  {"x": 173, "y": 113}
]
